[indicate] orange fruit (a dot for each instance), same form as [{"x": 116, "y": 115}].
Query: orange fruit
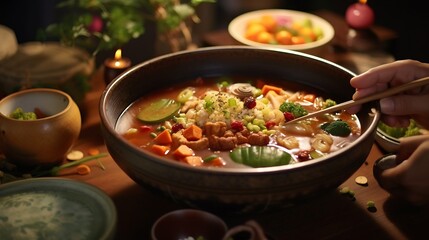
[
  {"x": 269, "y": 23},
  {"x": 283, "y": 37},
  {"x": 298, "y": 40},
  {"x": 253, "y": 31},
  {"x": 308, "y": 34},
  {"x": 265, "y": 37}
]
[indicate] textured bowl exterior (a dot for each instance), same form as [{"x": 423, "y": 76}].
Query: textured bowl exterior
[
  {"x": 44, "y": 141},
  {"x": 234, "y": 189}
]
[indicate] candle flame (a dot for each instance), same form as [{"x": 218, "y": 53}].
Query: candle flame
[
  {"x": 118, "y": 54},
  {"x": 362, "y": 1}
]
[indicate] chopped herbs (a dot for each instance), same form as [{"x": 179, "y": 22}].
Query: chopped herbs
[
  {"x": 19, "y": 114},
  {"x": 294, "y": 108}
]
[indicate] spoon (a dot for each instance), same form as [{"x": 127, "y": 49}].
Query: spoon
[{"x": 345, "y": 105}]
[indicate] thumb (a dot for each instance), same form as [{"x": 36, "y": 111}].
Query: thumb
[{"x": 405, "y": 105}]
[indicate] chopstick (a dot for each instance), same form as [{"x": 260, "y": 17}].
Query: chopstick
[{"x": 345, "y": 105}]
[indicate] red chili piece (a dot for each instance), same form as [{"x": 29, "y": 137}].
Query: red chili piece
[
  {"x": 288, "y": 116},
  {"x": 237, "y": 126},
  {"x": 145, "y": 128},
  {"x": 176, "y": 127},
  {"x": 270, "y": 124}
]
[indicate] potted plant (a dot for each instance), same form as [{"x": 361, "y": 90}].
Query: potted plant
[{"x": 98, "y": 25}]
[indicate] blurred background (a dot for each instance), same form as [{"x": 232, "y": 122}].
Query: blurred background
[{"x": 406, "y": 18}]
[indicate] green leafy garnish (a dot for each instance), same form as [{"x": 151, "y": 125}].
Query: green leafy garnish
[
  {"x": 337, "y": 128},
  {"x": 55, "y": 170},
  {"x": 398, "y": 132},
  {"x": 328, "y": 103},
  {"x": 19, "y": 114},
  {"x": 260, "y": 156},
  {"x": 294, "y": 108}
]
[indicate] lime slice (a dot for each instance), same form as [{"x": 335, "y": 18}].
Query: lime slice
[{"x": 159, "y": 111}]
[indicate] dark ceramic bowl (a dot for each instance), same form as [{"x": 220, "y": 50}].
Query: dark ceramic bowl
[
  {"x": 187, "y": 223},
  {"x": 234, "y": 189}
]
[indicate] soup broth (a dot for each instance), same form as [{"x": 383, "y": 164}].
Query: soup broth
[{"x": 236, "y": 122}]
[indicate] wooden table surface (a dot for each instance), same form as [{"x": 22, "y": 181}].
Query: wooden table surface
[{"x": 330, "y": 216}]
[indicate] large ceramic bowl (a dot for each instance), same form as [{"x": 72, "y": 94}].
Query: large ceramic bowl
[
  {"x": 237, "y": 29},
  {"x": 234, "y": 189}
]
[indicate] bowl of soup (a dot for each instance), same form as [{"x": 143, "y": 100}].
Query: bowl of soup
[{"x": 208, "y": 127}]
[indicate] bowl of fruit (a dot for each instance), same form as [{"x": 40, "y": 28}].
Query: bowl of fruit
[{"x": 282, "y": 28}]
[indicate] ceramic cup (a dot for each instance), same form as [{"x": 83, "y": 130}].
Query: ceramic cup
[
  {"x": 43, "y": 141},
  {"x": 197, "y": 224},
  {"x": 383, "y": 163}
]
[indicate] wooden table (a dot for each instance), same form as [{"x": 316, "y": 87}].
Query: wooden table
[{"x": 330, "y": 216}]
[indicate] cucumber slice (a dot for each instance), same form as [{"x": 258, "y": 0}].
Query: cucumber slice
[
  {"x": 159, "y": 111},
  {"x": 260, "y": 156}
]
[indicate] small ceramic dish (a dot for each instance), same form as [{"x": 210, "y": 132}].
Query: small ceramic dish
[
  {"x": 55, "y": 208},
  {"x": 381, "y": 164},
  {"x": 386, "y": 142},
  {"x": 237, "y": 29},
  {"x": 43, "y": 141},
  {"x": 193, "y": 224}
]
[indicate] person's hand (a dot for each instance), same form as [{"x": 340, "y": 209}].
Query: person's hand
[
  {"x": 398, "y": 109},
  {"x": 409, "y": 179}
]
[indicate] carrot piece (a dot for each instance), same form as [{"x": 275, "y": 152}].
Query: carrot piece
[
  {"x": 193, "y": 133},
  {"x": 309, "y": 97},
  {"x": 93, "y": 151},
  {"x": 193, "y": 160},
  {"x": 183, "y": 151},
  {"x": 160, "y": 149},
  {"x": 83, "y": 169},
  {"x": 266, "y": 88},
  {"x": 164, "y": 138}
]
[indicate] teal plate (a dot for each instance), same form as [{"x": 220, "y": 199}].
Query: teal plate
[{"x": 55, "y": 208}]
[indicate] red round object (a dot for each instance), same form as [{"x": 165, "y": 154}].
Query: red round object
[
  {"x": 96, "y": 24},
  {"x": 359, "y": 16}
]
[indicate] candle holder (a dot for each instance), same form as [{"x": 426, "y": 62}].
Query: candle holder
[{"x": 113, "y": 67}]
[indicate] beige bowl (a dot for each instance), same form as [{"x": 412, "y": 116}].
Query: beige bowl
[
  {"x": 43, "y": 141},
  {"x": 237, "y": 29}
]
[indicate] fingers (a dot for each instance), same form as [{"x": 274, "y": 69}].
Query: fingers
[
  {"x": 405, "y": 105},
  {"x": 409, "y": 179},
  {"x": 396, "y": 72},
  {"x": 391, "y": 74}
]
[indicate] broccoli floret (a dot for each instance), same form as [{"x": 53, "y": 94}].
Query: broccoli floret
[
  {"x": 328, "y": 103},
  {"x": 19, "y": 114},
  {"x": 337, "y": 128},
  {"x": 294, "y": 108}
]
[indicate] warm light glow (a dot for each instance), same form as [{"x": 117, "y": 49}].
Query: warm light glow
[
  {"x": 118, "y": 63},
  {"x": 362, "y": 1},
  {"x": 118, "y": 54}
]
